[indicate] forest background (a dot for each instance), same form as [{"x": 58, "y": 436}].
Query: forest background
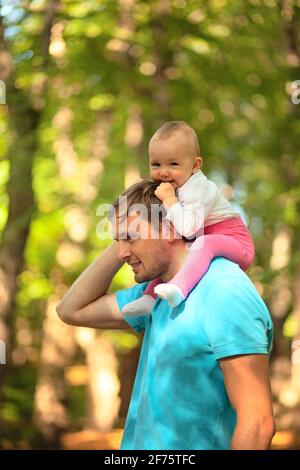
[{"x": 84, "y": 84}]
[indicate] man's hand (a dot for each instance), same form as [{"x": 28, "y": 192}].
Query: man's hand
[{"x": 166, "y": 193}]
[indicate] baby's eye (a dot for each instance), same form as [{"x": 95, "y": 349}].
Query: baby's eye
[
  {"x": 174, "y": 163},
  {"x": 155, "y": 164}
]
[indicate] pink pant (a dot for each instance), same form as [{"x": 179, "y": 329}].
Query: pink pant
[{"x": 230, "y": 239}]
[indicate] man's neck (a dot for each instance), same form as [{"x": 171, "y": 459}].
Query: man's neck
[{"x": 178, "y": 255}]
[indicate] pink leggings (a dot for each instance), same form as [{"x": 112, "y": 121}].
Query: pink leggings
[{"x": 230, "y": 239}]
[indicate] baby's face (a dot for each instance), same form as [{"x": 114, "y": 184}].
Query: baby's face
[{"x": 173, "y": 159}]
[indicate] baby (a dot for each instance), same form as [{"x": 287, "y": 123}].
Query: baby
[{"x": 186, "y": 193}]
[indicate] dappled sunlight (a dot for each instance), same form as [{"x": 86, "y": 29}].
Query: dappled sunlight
[
  {"x": 77, "y": 375},
  {"x": 66, "y": 157},
  {"x": 48, "y": 408},
  {"x": 132, "y": 175},
  {"x": 148, "y": 68},
  {"x": 103, "y": 382},
  {"x": 77, "y": 224},
  {"x": 117, "y": 45},
  {"x": 289, "y": 397},
  {"x": 58, "y": 345},
  {"x": 58, "y": 348},
  {"x": 134, "y": 131},
  {"x": 85, "y": 336},
  {"x": 57, "y": 47},
  {"x": 281, "y": 296},
  {"x": 68, "y": 254},
  {"x": 281, "y": 249},
  {"x": 86, "y": 84},
  {"x": 283, "y": 440},
  {"x": 92, "y": 440},
  {"x": 4, "y": 295},
  {"x": 105, "y": 385}
]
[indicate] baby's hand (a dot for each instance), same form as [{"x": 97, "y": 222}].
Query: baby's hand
[{"x": 165, "y": 191}]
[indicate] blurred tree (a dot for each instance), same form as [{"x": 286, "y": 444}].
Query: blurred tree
[
  {"x": 290, "y": 18},
  {"x": 87, "y": 84},
  {"x": 24, "y": 117}
]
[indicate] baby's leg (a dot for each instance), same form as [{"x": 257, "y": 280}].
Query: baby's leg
[
  {"x": 143, "y": 305},
  {"x": 201, "y": 253},
  {"x": 150, "y": 288}
]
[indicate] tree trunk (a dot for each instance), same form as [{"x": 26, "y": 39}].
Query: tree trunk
[
  {"x": 58, "y": 349},
  {"x": 24, "y": 122},
  {"x": 59, "y": 341}
]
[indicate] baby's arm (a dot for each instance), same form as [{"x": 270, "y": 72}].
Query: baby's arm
[
  {"x": 166, "y": 193},
  {"x": 188, "y": 218}
]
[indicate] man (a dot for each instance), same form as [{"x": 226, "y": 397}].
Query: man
[{"x": 202, "y": 380}]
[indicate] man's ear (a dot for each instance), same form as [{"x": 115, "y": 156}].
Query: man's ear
[{"x": 197, "y": 164}]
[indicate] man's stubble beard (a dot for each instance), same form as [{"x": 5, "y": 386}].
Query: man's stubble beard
[{"x": 156, "y": 270}]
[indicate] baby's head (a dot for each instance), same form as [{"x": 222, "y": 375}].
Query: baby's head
[{"x": 174, "y": 153}]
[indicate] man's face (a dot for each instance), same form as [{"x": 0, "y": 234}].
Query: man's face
[{"x": 149, "y": 258}]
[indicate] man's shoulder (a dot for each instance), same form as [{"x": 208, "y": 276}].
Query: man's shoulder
[
  {"x": 226, "y": 285},
  {"x": 223, "y": 272},
  {"x": 230, "y": 311}
]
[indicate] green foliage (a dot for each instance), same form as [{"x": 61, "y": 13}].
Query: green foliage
[
  {"x": 17, "y": 409},
  {"x": 222, "y": 66}
]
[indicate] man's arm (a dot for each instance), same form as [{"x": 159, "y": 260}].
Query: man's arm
[
  {"x": 247, "y": 383},
  {"x": 87, "y": 303}
]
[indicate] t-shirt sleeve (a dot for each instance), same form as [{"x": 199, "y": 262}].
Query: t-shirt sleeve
[
  {"x": 128, "y": 295},
  {"x": 236, "y": 320}
]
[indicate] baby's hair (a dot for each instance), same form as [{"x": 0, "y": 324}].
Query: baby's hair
[{"x": 169, "y": 128}]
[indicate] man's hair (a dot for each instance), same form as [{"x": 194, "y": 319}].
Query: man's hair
[
  {"x": 141, "y": 193},
  {"x": 169, "y": 128}
]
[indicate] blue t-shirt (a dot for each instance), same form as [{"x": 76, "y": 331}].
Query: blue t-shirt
[{"x": 179, "y": 400}]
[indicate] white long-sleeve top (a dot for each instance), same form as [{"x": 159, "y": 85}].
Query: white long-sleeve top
[{"x": 200, "y": 204}]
